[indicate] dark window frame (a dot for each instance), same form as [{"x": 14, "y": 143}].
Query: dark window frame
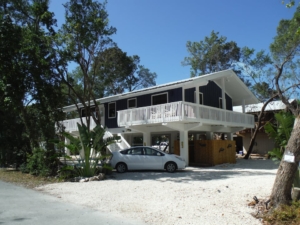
[
  {"x": 156, "y": 95},
  {"x": 135, "y": 103}
]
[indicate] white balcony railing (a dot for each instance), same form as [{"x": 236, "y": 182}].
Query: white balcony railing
[
  {"x": 183, "y": 111},
  {"x": 71, "y": 125}
]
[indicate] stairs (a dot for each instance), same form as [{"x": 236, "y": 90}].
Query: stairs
[{"x": 117, "y": 145}]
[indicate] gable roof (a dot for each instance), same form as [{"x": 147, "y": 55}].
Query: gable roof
[{"x": 234, "y": 87}]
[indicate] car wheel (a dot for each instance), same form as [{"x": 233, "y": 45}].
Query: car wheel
[
  {"x": 121, "y": 167},
  {"x": 171, "y": 167}
]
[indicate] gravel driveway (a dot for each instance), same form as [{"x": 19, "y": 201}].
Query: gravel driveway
[{"x": 212, "y": 195}]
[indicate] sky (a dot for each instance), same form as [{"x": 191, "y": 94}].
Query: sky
[{"x": 158, "y": 30}]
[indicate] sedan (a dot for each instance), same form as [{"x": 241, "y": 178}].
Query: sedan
[{"x": 145, "y": 158}]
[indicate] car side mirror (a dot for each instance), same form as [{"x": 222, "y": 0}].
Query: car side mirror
[{"x": 158, "y": 154}]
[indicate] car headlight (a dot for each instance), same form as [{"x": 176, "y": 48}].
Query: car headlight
[{"x": 177, "y": 157}]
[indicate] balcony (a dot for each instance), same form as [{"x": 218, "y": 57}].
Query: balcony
[
  {"x": 183, "y": 112},
  {"x": 71, "y": 125}
]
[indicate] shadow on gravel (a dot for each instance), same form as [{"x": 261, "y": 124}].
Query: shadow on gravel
[{"x": 243, "y": 168}]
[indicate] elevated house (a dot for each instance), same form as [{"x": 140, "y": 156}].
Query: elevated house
[
  {"x": 263, "y": 144},
  {"x": 175, "y": 113}
]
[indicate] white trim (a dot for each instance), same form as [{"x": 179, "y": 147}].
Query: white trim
[
  {"x": 108, "y": 114},
  {"x": 128, "y": 103},
  {"x": 200, "y": 99},
  {"x": 158, "y": 95},
  {"x": 220, "y": 98}
]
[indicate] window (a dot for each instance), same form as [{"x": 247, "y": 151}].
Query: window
[
  {"x": 159, "y": 99},
  {"x": 131, "y": 103},
  {"x": 200, "y": 98},
  {"x": 135, "y": 151},
  {"x": 112, "y": 110},
  {"x": 150, "y": 151}
]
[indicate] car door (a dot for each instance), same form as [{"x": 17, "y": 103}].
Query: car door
[
  {"x": 152, "y": 159},
  {"x": 133, "y": 158}
]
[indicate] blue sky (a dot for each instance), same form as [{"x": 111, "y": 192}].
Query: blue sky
[{"x": 157, "y": 30}]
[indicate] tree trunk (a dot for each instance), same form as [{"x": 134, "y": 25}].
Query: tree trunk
[
  {"x": 252, "y": 141},
  {"x": 257, "y": 127},
  {"x": 282, "y": 188}
]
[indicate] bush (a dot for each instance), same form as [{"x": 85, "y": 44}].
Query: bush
[
  {"x": 36, "y": 163},
  {"x": 284, "y": 215}
]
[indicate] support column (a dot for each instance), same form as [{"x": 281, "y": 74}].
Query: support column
[
  {"x": 184, "y": 146},
  {"x": 146, "y": 139},
  {"x": 67, "y": 151},
  {"x": 243, "y": 106},
  {"x": 197, "y": 102},
  {"x": 209, "y": 135},
  {"x": 223, "y": 94},
  {"x": 229, "y": 136}
]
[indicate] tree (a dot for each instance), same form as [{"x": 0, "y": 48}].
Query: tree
[
  {"x": 120, "y": 73},
  {"x": 116, "y": 72},
  {"x": 140, "y": 78},
  {"x": 211, "y": 55},
  {"x": 113, "y": 67},
  {"x": 32, "y": 86},
  {"x": 82, "y": 38},
  {"x": 285, "y": 51}
]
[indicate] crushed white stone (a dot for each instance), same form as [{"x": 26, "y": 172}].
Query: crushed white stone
[{"x": 211, "y": 195}]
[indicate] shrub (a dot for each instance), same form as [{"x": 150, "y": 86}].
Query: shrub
[{"x": 36, "y": 163}]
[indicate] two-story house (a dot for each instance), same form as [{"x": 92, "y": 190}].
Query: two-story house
[{"x": 176, "y": 111}]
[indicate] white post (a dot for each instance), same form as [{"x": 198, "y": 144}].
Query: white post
[
  {"x": 184, "y": 146},
  {"x": 67, "y": 151},
  {"x": 146, "y": 139},
  {"x": 223, "y": 94},
  {"x": 209, "y": 135},
  {"x": 229, "y": 136},
  {"x": 197, "y": 102}
]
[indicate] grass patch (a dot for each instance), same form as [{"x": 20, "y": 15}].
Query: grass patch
[
  {"x": 284, "y": 215},
  {"x": 24, "y": 179}
]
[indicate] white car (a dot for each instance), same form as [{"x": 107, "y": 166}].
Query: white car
[{"x": 145, "y": 158}]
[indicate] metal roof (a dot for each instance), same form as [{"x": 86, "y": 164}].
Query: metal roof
[
  {"x": 272, "y": 106},
  {"x": 234, "y": 87}
]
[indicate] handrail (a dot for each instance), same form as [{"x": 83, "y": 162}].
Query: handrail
[{"x": 179, "y": 111}]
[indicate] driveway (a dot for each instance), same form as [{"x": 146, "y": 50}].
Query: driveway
[{"x": 28, "y": 207}]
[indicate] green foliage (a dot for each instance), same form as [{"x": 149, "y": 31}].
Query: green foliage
[
  {"x": 88, "y": 164},
  {"x": 215, "y": 53},
  {"x": 212, "y": 54},
  {"x": 30, "y": 87},
  {"x": 36, "y": 163},
  {"x": 284, "y": 215},
  {"x": 276, "y": 154},
  {"x": 280, "y": 132}
]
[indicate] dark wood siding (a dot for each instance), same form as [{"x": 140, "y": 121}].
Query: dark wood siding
[
  {"x": 190, "y": 95},
  {"x": 212, "y": 93}
]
